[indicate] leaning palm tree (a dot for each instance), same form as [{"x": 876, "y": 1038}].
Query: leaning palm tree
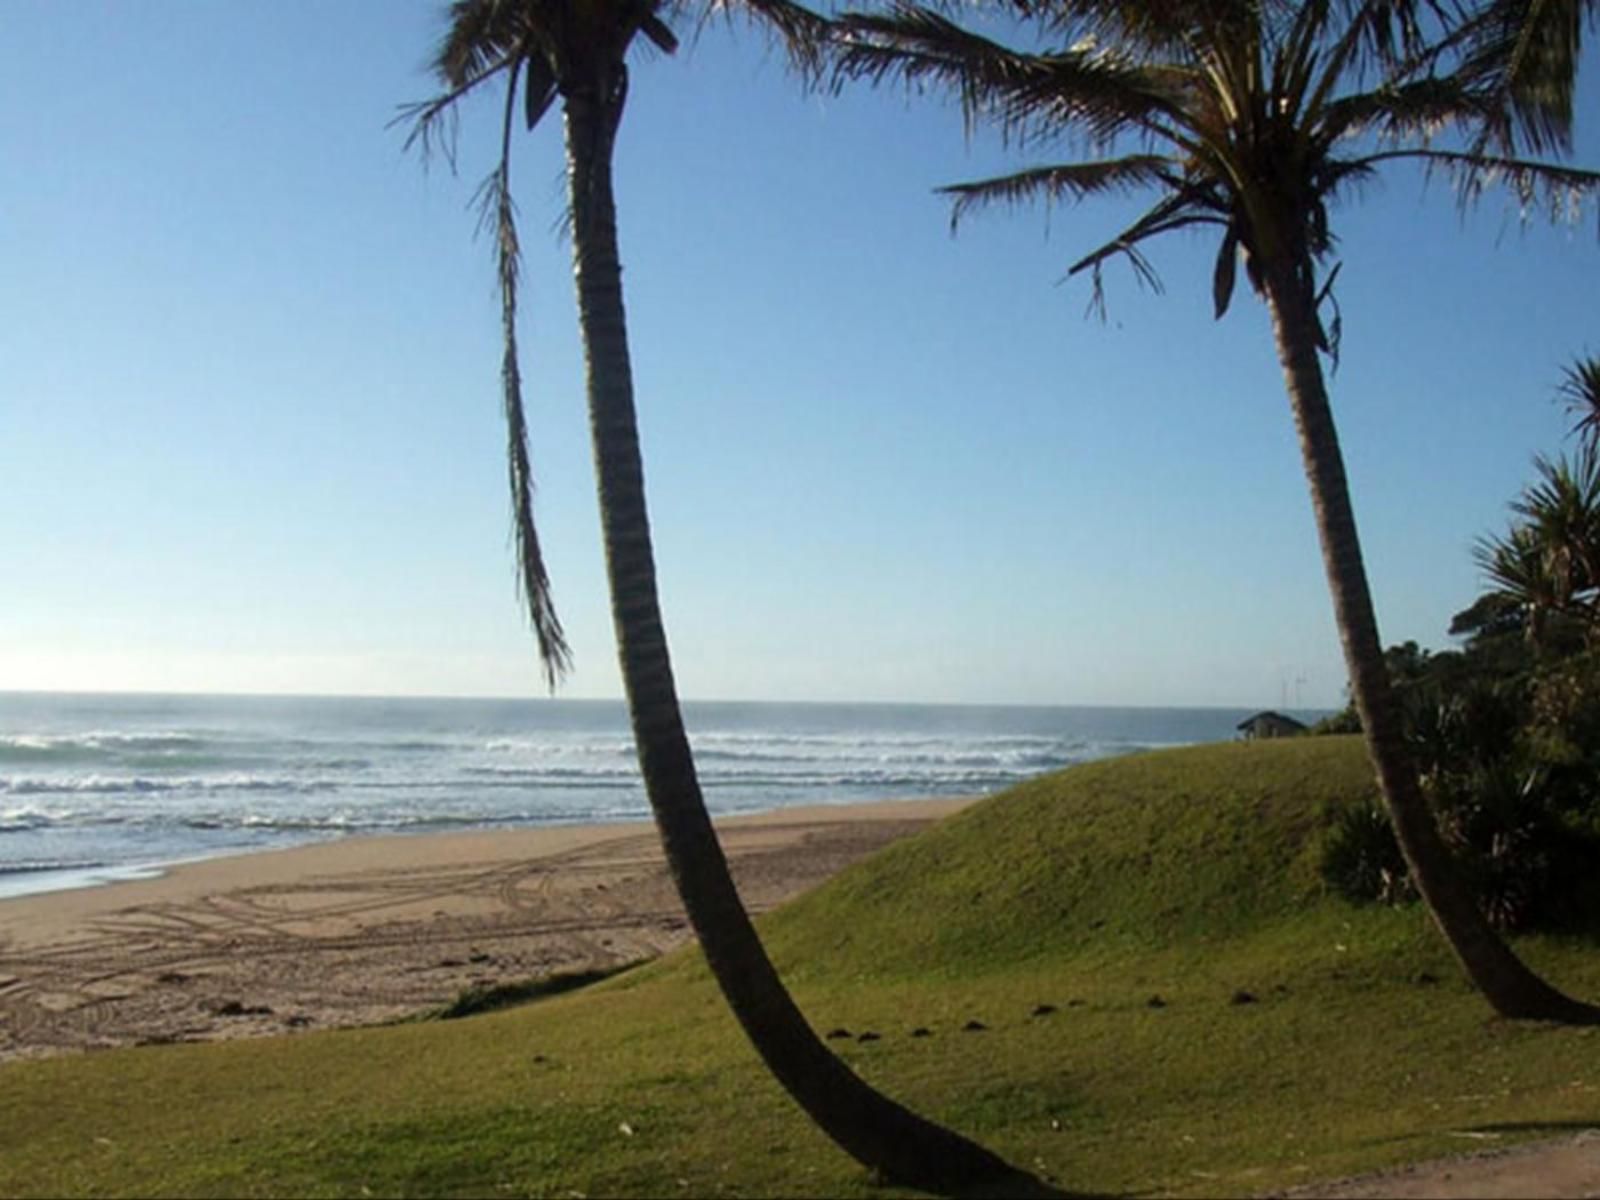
[
  {"x": 1252, "y": 118},
  {"x": 575, "y": 50}
]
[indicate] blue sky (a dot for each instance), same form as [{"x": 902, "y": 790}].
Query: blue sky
[{"x": 250, "y": 436}]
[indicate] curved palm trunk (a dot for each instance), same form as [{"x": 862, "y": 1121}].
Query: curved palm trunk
[
  {"x": 1506, "y": 982},
  {"x": 875, "y": 1130}
]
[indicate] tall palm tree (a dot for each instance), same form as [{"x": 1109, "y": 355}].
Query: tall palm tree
[
  {"x": 1253, "y": 117},
  {"x": 576, "y": 50}
]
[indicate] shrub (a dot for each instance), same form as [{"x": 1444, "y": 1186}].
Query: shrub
[{"x": 1361, "y": 859}]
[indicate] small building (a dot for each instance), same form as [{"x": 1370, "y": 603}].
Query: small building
[{"x": 1269, "y": 725}]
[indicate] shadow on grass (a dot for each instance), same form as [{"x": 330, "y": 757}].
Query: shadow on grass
[
  {"x": 473, "y": 1001},
  {"x": 1552, "y": 1128}
]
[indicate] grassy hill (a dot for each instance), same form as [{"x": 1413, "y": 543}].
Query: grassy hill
[{"x": 1170, "y": 1001}]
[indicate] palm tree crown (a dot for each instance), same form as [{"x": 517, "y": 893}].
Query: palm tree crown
[{"x": 1254, "y": 117}]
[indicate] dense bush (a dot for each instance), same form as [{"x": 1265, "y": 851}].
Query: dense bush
[{"x": 1511, "y": 766}]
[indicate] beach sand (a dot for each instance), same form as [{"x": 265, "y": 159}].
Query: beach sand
[{"x": 366, "y": 930}]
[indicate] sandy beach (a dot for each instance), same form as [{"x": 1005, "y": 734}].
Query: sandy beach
[{"x": 373, "y": 929}]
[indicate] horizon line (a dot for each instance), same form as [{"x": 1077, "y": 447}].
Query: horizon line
[{"x": 537, "y": 698}]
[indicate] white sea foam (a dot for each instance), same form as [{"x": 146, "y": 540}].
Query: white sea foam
[{"x": 120, "y": 780}]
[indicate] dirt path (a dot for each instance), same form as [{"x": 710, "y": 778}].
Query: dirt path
[{"x": 1564, "y": 1167}]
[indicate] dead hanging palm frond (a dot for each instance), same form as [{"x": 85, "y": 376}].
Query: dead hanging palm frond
[
  {"x": 497, "y": 213},
  {"x": 487, "y": 39},
  {"x": 1580, "y": 392}
]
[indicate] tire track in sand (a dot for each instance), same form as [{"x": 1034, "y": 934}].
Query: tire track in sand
[{"x": 382, "y": 942}]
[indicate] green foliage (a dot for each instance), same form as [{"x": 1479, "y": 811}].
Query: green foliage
[
  {"x": 1362, "y": 860},
  {"x": 1511, "y": 766},
  {"x": 1345, "y": 721}
]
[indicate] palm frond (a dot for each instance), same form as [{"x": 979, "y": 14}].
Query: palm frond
[
  {"x": 805, "y": 35},
  {"x": 1072, "y": 181},
  {"x": 1176, "y": 211},
  {"x": 1083, "y": 90},
  {"x": 1416, "y": 110},
  {"x": 434, "y": 123},
  {"x": 480, "y": 34},
  {"x": 497, "y": 212},
  {"x": 1525, "y": 53},
  {"x": 1560, "y": 191},
  {"x": 1161, "y": 27},
  {"x": 1579, "y": 390},
  {"x": 479, "y": 43}
]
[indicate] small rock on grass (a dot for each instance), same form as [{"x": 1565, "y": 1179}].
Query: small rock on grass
[
  {"x": 922, "y": 1031},
  {"x": 974, "y": 1027},
  {"x": 833, "y": 1035},
  {"x": 1043, "y": 1010},
  {"x": 1155, "y": 1002},
  {"x": 1242, "y": 997},
  {"x": 868, "y": 1036}
]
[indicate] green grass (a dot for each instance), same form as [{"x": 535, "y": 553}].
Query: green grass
[{"x": 1188, "y": 875}]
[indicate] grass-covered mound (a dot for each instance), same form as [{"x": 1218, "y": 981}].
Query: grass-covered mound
[{"x": 1169, "y": 1002}]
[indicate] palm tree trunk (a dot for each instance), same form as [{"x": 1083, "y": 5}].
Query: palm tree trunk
[
  {"x": 1505, "y": 981},
  {"x": 875, "y": 1130}
]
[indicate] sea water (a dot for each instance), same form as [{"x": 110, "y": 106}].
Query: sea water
[{"x": 96, "y": 787}]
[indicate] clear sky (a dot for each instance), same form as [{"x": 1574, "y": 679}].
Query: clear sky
[{"x": 250, "y": 436}]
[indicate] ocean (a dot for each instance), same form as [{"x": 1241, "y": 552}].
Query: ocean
[{"x": 101, "y": 787}]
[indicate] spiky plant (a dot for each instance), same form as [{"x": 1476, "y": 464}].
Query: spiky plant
[
  {"x": 1579, "y": 390},
  {"x": 1253, "y": 119}
]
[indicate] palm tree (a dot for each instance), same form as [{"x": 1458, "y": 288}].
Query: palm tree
[
  {"x": 1253, "y": 117},
  {"x": 576, "y": 50}
]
